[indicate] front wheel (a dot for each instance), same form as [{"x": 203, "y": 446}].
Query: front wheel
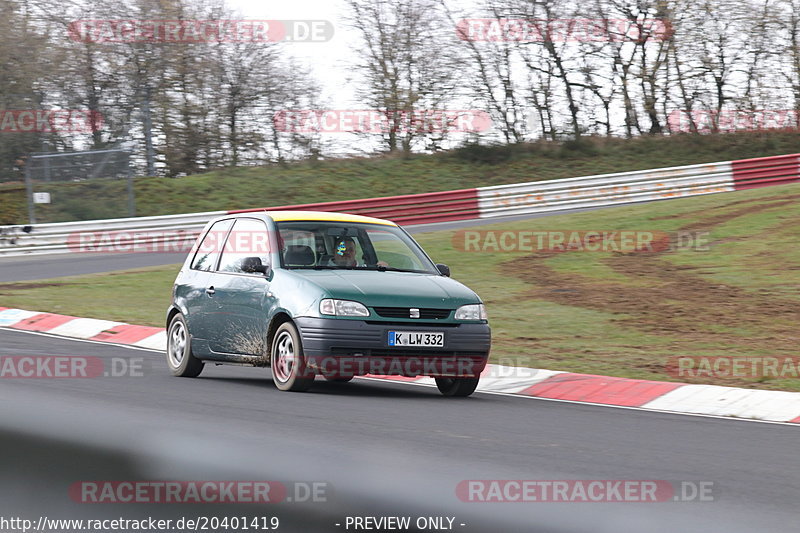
[
  {"x": 335, "y": 378},
  {"x": 457, "y": 386},
  {"x": 181, "y": 361},
  {"x": 289, "y": 370}
]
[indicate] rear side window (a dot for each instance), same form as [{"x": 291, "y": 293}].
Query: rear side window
[
  {"x": 249, "y": 238},
  {"x": 205, "y": 258}
]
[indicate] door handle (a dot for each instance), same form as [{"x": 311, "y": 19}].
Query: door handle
[{"x": 210, "y": 291}]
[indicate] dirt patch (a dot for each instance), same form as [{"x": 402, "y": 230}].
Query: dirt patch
[
  {"x": 128, "y": 272},
  {"x": 792, "y": 198},
  {"x": 721, "y": 218},
  {"x": 23, "y": 286},
  {"x": 677, "y": 302}
]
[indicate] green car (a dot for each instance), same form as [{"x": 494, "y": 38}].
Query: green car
[{"x": 313, "y": 293}]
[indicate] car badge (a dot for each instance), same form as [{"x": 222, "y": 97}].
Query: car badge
[{"x": 414, "y": 313}]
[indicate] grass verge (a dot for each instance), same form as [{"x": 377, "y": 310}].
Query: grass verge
[{"x": 344, "y": 179}]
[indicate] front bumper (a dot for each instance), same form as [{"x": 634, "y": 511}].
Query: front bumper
[{"x": 339, "y": 347}]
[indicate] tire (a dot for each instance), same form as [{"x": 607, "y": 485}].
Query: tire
[
  {"x": 457, "y": 386},
  {"x": 338, "y": 379},
  {"x": 288, "y": 363},
  {"x": 181, "y": 361}
]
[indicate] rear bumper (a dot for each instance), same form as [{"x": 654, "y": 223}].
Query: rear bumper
[{"x": 356, "y": 347}]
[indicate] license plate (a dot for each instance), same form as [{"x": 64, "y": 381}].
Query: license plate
[{"x": 416, "y": 338}]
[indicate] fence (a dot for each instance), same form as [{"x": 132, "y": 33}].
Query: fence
[
  {"x": 604, "y": 190},
  {"x": 766, "y": 171},
  {"x": 483, "y": 202}
]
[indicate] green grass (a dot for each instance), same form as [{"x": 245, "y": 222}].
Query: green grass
[
  {"x": 308, "y": 182},
  {"x": 614, "y": 314},
  {"x": 139, "y": 296}
]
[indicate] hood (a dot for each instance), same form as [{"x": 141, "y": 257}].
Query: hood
[{"x": 391, "y": 289}]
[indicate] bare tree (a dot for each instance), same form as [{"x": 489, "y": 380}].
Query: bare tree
[
  {"x": 494, "y": 80},
  {"x": 407, "y": 63},
  {"x": 22, "y": 50},
  {"x": 787, "y": 15},
  {"x": 552, "y": 55}
]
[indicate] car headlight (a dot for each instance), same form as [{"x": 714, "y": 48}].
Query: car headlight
[
  {"x": 472, "y": 312},
  {"x": 342, "y": 308}
]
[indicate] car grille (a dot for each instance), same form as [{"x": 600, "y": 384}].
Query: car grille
[
  {"x": 405, "y": 312},
  {"x": 415, "y": 324}
]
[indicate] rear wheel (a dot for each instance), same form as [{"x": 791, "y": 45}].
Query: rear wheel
[
  {"x": 289, "y": 370},
  {"x": 457, "y": 386},
  {"x": 181, "y": 361}
]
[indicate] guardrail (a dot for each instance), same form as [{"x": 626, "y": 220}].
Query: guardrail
[
  {"x": 115, "y": 233},
  {"x": 766, "y": 171},
  {"x": 408, "y": 209},
  {"x": 605, "y": 190},
  {"x": 483, "y": 202}
]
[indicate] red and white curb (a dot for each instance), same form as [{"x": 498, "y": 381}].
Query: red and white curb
[
  {"x": 84, "y": 328},
  {"x": 774, "y": 406}
]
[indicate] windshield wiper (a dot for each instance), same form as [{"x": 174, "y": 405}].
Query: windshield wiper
[
  {"x": 369, "y": 268},
  {"x": 392, "y": 269}
]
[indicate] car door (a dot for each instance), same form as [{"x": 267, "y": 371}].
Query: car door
[
  {"x": 192, "y": 291},
  {"x": 241, "y": 298}
]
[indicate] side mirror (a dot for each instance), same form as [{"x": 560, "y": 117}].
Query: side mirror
[
  {"x": 444, "y": 270},
  {"x": 253, "y": 265}
]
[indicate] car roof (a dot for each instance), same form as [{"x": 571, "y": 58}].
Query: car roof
[{"x": 324, "y": 216}]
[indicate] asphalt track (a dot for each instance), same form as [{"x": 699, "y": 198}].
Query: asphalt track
[{"x": 384, "y": 448}]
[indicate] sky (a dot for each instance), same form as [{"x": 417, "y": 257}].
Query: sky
[{"x": 330, "y": 60}]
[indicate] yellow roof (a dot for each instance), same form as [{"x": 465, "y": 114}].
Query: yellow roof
[{"x": 324, "y": 216}]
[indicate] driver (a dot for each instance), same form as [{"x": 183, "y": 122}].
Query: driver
[{"x": 344, "y": 255}]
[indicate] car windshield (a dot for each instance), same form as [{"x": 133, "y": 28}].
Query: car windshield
[{"x": 350, "y": 246}]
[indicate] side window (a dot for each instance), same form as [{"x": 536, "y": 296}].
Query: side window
[
  {"x": 205, "y": 258},
  {"x": 293, "y": 237},
  {"x": 249, "y": 238},
  {"x": 298, "y": 247}
]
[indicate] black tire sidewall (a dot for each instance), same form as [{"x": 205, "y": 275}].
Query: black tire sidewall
[
  {"x": 335, "y": 378},
  {"x": 457, "y": 387}
]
